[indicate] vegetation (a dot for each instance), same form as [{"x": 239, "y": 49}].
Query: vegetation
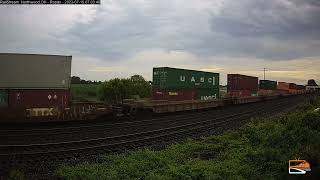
[
  {"x": 82, "y": 92},
  {"x": 115, "y": 90},
  {"x": 78, "y": 80},
  {"x": 260, "y": 149}
]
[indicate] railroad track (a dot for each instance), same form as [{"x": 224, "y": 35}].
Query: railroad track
[
  {"x": 202, "y": 121},
  {"x": 54, "y": 135},
  {"x": 10, "y": 155}
]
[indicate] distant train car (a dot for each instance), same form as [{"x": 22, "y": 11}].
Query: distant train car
[
  {"x": 242, "y": 85},
  {"x": 267, "y": 88}
]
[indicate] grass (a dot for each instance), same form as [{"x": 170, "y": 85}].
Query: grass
[
  {"x": 260, "y": 149},
  {"x": 84, "y": 92}
]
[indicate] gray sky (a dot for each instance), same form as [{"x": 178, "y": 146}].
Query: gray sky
[{"x": 120, "y": 38}]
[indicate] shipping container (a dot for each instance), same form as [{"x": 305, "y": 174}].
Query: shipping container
[
  {"x": 242, "y": 93},
  {"x": 292, "y": 86},
  {"x": 3, "y": 98},
  {"x": 293, "y": 91},
  {"x": 282, "y": 91},
  {"x": 267, "y": 85},
  {"x": 238, "y": 82},
  {"x": 265, "y": 92},
  {"x": 173, "y": 95},
  {"x": 207, "y": 94},
  {"x": 32, "y": 71},
  {"x": 312, "y": 88},
  {"x": 185, "y": 94},
  {"x": 283, "y": 85},
  {"x": 58, "y": 98},
  {"x": 173, "y": 78},
  {"x": 301, "y": 87}
]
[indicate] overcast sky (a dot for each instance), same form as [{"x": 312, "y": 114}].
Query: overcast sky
[{"x": 120, "y": 38}]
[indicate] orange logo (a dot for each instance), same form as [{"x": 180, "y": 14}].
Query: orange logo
[{"x": 299, "y": 166}]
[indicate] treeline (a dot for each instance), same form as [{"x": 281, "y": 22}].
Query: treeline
[
  {"x": 115, "y": 90},
  {"x": 78, "y": 80}
]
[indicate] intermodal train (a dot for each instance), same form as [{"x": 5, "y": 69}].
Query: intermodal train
[{"x": 36, "y": 88}]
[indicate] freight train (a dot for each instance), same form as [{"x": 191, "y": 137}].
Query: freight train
[{"x": 36, "y": 88}]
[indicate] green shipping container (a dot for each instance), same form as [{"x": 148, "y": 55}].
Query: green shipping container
[
  {"x": 166, "y": 77},
  {"x": 207, "y": 94},
  {"x": 3, "y": 98},
  {"x": 268, "y": 85}
]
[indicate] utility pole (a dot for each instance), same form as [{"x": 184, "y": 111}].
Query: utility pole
[{"x": 264, "y": 73}]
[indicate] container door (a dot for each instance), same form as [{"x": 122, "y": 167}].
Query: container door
[{"x": 3, "y": 98}]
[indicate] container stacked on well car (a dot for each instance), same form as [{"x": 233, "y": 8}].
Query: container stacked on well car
[
  {"x": 33, "y": 85},
  {"x": 301, "y": 89},
  {"x": 36, "y": 88},
  {"x": 242, "y": 85},
  {"x": 180, "y": 84},
  {"x": 267, "y": 88}
]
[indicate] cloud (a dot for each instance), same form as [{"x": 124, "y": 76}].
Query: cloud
[
  {"x": 120, "y": 38},
  {"x": 280, "y": 19},
  {"x": 31, "y": 29},
  {"x": 296, "y": 70},
  {"x": 275, "y": 30}
]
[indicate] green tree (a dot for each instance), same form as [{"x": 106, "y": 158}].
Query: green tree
[
  {"x": 140, "y": 86},
  {"x": 115, "y": 90}
]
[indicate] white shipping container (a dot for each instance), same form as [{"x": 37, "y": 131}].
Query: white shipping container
[{"x": 35, "y": 71}]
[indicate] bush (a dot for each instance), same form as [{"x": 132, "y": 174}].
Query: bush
[{"x": 16, "y": 175}]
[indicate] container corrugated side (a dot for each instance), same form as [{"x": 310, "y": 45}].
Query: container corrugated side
[
  {"x": 185, "y": 94},
  {"x": 242, "y": 93},
  {"x": 292, "y": 86},
  {"x": 237, "y": 82},
  {"x": 267, "y": 85},
  {"x": 283, "y": 85},
  {"x": 207, "y": 94},
  {"x": 31, "y": 71},
  {"x": 174, "y": 78},
  {"x": 3, "y": 98},
  {"x": 301, "y": 87},
  {"x": 21, "y": 98},
  {"x": 174, "y": 94}
]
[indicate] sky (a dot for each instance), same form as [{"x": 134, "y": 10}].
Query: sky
[{"x": 120, "y": 38}]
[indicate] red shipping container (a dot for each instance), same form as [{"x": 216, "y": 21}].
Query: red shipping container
[
  {"x": 292, "y": 86},
  {"x": 263, "y": 92},
  {"x": 283, "y": 85},
  {"x": 301, "y": 87},
  {"x": 39, "y": 98},
  {"x": 238, "y": 82},
  {"x": 293, "y": 91},
  {"x": 240, "y": 93},
  {"x": 282, "y": 91},
  {"x": 173, "y": 95}
]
